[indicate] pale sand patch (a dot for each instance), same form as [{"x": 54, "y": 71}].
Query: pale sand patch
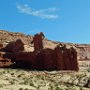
[{"x": 3, "y": 82}]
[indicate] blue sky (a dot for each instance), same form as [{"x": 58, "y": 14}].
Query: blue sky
[{"x": 60, "y": 20}]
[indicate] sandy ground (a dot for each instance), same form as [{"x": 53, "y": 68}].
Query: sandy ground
[{"x": 18, "y": 79}]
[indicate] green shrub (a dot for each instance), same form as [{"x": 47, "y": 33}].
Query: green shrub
[{"x": 12, "y": 82}]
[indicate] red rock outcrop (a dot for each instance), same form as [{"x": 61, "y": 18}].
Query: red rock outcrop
[
  {"x": 15, "y": 46},
  {"x": 73, "y": 59},
  {"x": 37, "y": 40},
  {"x": 66, "y": 59},
  {"x": 1, "y": 46},
  {"x": 44, "y": 59},
  {"x": 83, "y": 50},
  {"x": 60, "y": 58},
  {"x": 25, "y": 56},
  {"x": 0, "y": 54},
  {"x": 4, "y": 62}
]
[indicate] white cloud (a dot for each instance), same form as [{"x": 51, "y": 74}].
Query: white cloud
[{"x": 42, "y": 13}]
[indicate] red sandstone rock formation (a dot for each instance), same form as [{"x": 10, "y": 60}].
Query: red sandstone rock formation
[
  {"x": 15, "y": 46},
  {"x": 66, "y": 59},
  {"x": 25, "y": 56},
  {"x": 83, "y": 50},
  {"x": 37, "y": 40},
  {"x": 0, "y": 54},
  {"x": 59, "y": 58},
  {"x": 73, "y": 59},
  {"x": 44, "y": 59},
  {"x": 4, "y": 62},
  {"x": 1, "y": 46}
]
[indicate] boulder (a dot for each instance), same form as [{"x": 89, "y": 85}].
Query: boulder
[
  {"x": 15, "y": 46},
  {"x": 4, "y": 62}
]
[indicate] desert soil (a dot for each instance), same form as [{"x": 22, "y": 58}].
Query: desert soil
[{"x": 18, "y": 79}]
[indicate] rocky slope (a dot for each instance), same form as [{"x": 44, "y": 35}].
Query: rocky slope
[{"x": 6, "y": 37}]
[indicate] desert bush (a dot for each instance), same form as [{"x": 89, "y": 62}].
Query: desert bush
[
  {"x": 19, "y": 76},
  {"x": 31, "y": 84},
  {"x": 12, "y": 82},
  {"x": 12, "y": 73},
  {"x": 58, "y": 88},
  {"x": 21, "y": 89},
  {"x": 1, "y": 85},
  {"x": 4, "y": 72},
  {"x": 26, "y": 89},
  {"x": 25, "y": 82}
]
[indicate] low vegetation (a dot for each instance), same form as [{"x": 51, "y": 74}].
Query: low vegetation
[{"x": 16, "y": 79}]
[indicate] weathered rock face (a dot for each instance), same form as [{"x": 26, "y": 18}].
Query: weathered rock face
[
  {"x": 0, "y": 54},
  {"x": 1, "y": 46},
  {"x": 25, "y": 56},
  {"x": 37, "y": 40},
  {"x": 83, "y": 50},
  {"x": 44, "y": 59},
  {"x": 4, "y": 62},
  {"x": 47, "y": 59},
  {"x": 66, "y": 59},
  {"x": 59, "y": 58},
  {"x": 11, "y": 44},
  {"x": 15, "y": 46}
]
